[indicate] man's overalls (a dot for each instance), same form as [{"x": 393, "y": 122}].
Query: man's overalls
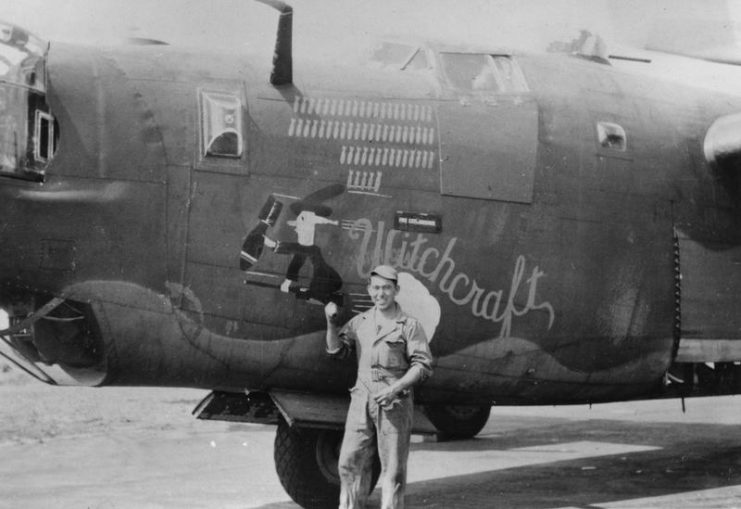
[{"x": 384, "y": 355}]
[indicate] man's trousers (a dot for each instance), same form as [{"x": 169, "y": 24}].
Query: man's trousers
[{"x": 369, "y": 426}]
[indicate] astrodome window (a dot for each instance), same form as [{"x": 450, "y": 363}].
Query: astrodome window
[{"x": 221, "y": 124}]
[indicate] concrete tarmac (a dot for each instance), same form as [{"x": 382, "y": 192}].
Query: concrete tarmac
[{"x": 140, "y": 448}]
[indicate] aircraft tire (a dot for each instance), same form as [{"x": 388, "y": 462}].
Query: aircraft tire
[
  {"x": 458, "y": 422},
  {"x": 306, "y": 462}
]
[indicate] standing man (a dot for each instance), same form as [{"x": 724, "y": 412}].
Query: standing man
[{"x": 393, "y": 355}]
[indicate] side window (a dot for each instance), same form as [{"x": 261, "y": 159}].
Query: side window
[
  {"x": 612, "y": 136},
  {"x": 45, "y": 137},
  {"x": 221, "y": 124}
]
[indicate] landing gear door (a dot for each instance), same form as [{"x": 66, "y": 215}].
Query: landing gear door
[{"x": 488, "y": 129}]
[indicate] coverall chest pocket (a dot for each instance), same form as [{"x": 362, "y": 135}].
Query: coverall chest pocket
[{"x": 393, "y": 352}]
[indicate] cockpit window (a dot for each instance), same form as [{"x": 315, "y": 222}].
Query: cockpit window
[
  {"x": 475, "y": 72},
  {"x": 392, "y": 53},
  {"x": 400, "y": 56},
  {"x": 221, "y": 124},
  {"x": 28, "y": 130},
  {"x": 417, "y": 62},
  {"x": 19, "y": 55}
]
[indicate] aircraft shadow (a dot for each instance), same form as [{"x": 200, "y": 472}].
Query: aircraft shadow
[{"x": 691, "y": 457}]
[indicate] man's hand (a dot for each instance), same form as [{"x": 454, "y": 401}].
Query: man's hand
[
  {"x": 387, "y": 397},
  {"x": 331, "y": 311}
]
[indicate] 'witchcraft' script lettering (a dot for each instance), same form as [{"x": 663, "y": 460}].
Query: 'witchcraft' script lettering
[{"x": 440, "y": 269}]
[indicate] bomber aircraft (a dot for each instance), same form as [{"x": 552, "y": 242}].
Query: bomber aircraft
[{"x": 565, "y": 231}]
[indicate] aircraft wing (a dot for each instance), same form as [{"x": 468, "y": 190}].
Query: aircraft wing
[
  {"x": 730, "y": 54},
  {"x": 701, "y": 30}
]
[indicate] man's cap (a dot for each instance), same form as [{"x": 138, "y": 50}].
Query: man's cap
[{"x": 386, "y": 272}]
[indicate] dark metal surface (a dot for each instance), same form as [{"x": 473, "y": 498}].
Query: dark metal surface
[{"x": 552, "y": 279}]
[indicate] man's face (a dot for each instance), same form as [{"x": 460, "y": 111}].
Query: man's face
[{"x": 382, "y": 292}]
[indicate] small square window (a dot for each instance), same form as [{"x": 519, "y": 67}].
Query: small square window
[
  {"x": 221, "y": 124},
  {"x": 612, "y": 136}
]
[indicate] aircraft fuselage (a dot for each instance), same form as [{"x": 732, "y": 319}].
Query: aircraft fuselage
[{"x": 202, "y": 217}]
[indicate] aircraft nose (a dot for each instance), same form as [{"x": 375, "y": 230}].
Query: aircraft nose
[{"x": 28, "y": 131}]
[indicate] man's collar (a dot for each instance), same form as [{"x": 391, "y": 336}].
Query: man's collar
[{"x": 398, "y": 315}]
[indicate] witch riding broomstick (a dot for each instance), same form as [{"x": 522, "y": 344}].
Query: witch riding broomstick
[{"x": 326, "y": 283}]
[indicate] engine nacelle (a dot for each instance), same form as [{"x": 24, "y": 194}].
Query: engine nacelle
[
  {"x": 722, "y": 145},
  {"x": 60, "y": 343}
]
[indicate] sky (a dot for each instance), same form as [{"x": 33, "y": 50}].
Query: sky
[
  {"x": 325, "y": 29},
  {"x": 229, "y": 23},
  {"x": 525, "y": 24}
]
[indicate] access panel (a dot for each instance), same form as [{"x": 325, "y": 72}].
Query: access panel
[{"x": 489, "y": 148}]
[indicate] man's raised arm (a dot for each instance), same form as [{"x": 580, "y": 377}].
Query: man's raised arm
[{"x": 334, "y": 343}]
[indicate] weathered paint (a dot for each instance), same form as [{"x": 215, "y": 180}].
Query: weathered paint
[{"x": 558, "y": 287}]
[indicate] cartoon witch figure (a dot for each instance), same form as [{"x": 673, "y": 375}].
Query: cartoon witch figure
[{"x": 310, "y": 212}]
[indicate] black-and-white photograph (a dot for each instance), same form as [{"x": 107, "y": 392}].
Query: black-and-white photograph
[{"x": 284, "y": 254}]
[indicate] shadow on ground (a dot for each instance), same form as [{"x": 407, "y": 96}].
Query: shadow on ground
[{"x": 692, "y": 457}]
